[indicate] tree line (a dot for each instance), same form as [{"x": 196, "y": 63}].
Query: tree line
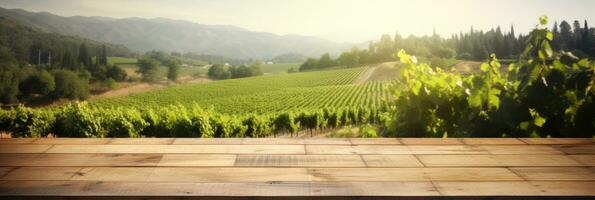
[
  {"x": 473, "y": 45},
  {"x": 220, "y": 71}
]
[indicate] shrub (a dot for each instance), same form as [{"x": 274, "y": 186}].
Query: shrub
[{"x": 28, "y": 122}]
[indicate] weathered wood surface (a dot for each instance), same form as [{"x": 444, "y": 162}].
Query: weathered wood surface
[{"x": 308, "y": 168}]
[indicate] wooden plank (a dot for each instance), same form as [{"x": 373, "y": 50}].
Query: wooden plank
[
  {"x": 77, "y": 141},
  {"x": 576, "y": 149},
  {"x": 327, "y": 141},
  {"x": 558, "y": 140},
  {"x": 236, "y": 149},
  {"x": 91, "y": 149},
  {"x": 411, "y": 174},
  {"x": 14, "y": 148},
  {"x": 17, "y": 159},
  {"x": 208, "y": 141},
  {"x": 183, "y": 174},
  {"x": 555, "y": 173},
  {"x": 419, "y": 188},
  {"x": 17, "y": 140},
  {"x": 391, "y": 161},
  {"x": 299, "y": 161},
  {"x": 394, "y": 149},
  {"x": 516, "y": 188},
  {"x": 148, "y": 189},
  {"x": 588, "y": 160},
  {"x": 113, "y": 173},
  {"x": 520, "y": 149},
  {"x": 431, "y": 141},
  {"x": 197, "y": 160},
  {"x": 41, "y": 173},
  {"x": 374, "y": 141},
  {"x": 5, "y": 170},
  {"x": 492, "y": 141},
  {"x": 496, "y": 160},
  {"x": 272, "y": 141},
  {"x": 142, "y": 141}
]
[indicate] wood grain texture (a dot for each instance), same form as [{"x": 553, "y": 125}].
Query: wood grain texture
[
  {"x": 496, "y": 160},
  {"x": 299, "y": 161},
  {"x": 344, "y": 168}
]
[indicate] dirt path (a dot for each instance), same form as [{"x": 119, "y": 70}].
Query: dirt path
[
  {"x": 383, "y": 71},
  {"x": 145, "y": 87}
]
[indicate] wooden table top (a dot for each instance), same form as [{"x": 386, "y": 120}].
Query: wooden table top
[{"x": 296, "y": 168}]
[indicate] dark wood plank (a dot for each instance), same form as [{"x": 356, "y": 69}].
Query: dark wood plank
[
  {"x": 299, "y": 161},
  {"x": 588, "y": 160},
  {"x": 496, "y": 160},
  {"x": 17, "y": 140}
]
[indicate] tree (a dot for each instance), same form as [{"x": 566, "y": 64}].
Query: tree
[
  {"x": 148, "y": 68},
  {"x": 116, "y": 73},
  {"x": 565, "y": 36},
  {"x": 102, "y": 58},
  {"x": 173, "y": 69},
  {"x": 69, "y": 85},
  {"x": 40, "y": 82},
  {"x": 218, "y": 71},
  {"x": 586, "y": 39},
  {"x": 311, "y": 63},
  {"x": 325, "y": 61},
  {"x": 84, "y": 56}
]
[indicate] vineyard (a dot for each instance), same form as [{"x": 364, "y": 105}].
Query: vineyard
[{"x": 309, "y": 90}]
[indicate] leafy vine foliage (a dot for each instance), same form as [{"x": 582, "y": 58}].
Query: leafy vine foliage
[{"x": 545, "y": 93}]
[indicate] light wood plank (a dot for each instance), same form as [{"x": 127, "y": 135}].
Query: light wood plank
[
  {"x": 204, "y": 149},
  {"x": 394, "y": 149},
  {"x": 327, "y": 141},
  {"x": 358, "y": 141},
  {"x": 147, "y": 189},
  {"x": 431, "y": 141},
  {"x": 208, "y": 141},
  {"x": 555, "y": 173},
  {"x": 41, "y": 173},
  {"x": 520, "y": 149},
  {"x": 273, "y": 141},
  {"x": 576, "y": 149},
  {"x": 113, "y": 174},
  {"x": 496, "y": 160},
  {"x": 588, "y": 160},
  {"x": 236, "y": 149},
  {"x": 14, "y": 148},
  {"x": 492, "y": 141},
  {"x": 299, "y": 161},
  {"x": 411, "y": 174},
  {"x": 391, "y": 161},
  {"x": 558, "y": 140},
  {"x": 142, "y": 141},
  {"x": 180, "y": 174},
  {"x": 419, "y": 188},
  {"x": 77, "y": 141},
  {"x": 515, "y": 188},
  {"x": 197, "y": 160},
  {"x": 17, "y": 140},
  {"x": 17, "y": 159}
]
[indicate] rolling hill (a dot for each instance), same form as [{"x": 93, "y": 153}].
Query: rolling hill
[{"x": 175, "y": 35}]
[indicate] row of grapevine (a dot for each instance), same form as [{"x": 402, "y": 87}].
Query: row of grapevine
[{"x": 82, "y": 120}]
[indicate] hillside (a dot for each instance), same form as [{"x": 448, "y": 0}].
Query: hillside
[{"x": 175, "y": 35}]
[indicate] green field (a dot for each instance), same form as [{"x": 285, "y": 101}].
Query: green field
[
  {"x": 121, "y": 60},
  {"x": 308, "y": 90}
]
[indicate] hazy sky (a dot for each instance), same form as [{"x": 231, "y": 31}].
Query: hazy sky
[{"x": 337, "y": 20}]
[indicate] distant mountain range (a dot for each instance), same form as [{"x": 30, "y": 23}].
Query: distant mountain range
[{"x": 175, "y": 35}]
